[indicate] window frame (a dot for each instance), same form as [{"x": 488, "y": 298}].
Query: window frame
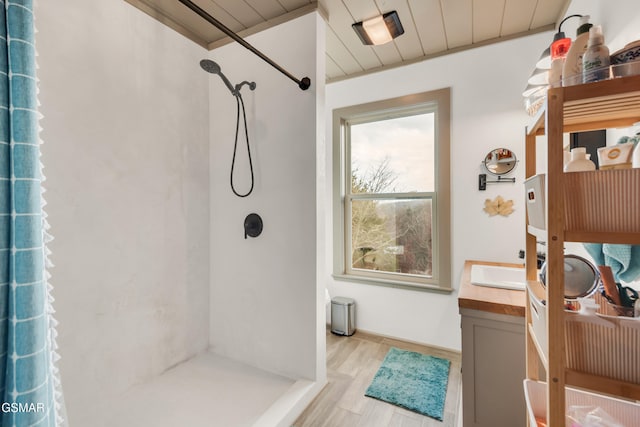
[{"x": 438, "y": 102}]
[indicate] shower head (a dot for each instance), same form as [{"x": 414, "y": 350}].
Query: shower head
[
  {"x": 210, "y": 66},
  {"x": 213, "y": 68}
]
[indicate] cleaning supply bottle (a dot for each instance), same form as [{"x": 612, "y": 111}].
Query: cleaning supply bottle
[
  {"x": 635, "y": 157},
  {"x": 559, "y": 49},
  {"x": 595, "y": 61},
  {"x": 579, "y": 161},
  {"x": 572, "y": 69}
]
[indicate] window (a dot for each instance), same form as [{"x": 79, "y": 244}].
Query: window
[{"x": 391, "y": 193}]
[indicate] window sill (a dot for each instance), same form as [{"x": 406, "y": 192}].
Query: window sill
[{"x": 424, "y": 287}]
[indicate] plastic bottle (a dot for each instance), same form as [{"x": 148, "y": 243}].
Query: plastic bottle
[
  {"x": 595, "y": 61},
  {"x": 579, "y": 161},
  {"x": 572, "y": 69},
  {"x": 559, "y": 49},
  {"x": 566, "y": 157},
  {"x": 635, "y": 157}
]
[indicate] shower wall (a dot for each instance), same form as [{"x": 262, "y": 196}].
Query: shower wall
[
  {"x": 125, "y": 123},
  {"x": 265, "y": 304}
]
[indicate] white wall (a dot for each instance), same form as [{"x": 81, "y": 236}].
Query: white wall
[
  {"x": 620, "y": 20},
  {"x": 487, "y": 112},
  {"x": 125, "y": 154},
  {"x": 264, "y": 292}
]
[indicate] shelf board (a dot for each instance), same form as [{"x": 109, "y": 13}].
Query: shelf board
[
  {"x": 581, "y": 236},
  {"x": 601, "y": 237},
  {"x": 602, "y": 91},
  {"x": 603, "y": 384},
  {"x": 590, "y": 106}
]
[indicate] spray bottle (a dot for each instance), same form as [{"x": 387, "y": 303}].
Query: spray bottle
[
  {"x": 595, "y": 61},
  {"x": 572, "y": 69}
]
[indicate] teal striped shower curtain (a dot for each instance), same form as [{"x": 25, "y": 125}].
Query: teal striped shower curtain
[{"x": 29, "y": 387}]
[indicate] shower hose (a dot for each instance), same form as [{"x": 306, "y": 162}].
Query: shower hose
[{"x": 240, "y": 103}]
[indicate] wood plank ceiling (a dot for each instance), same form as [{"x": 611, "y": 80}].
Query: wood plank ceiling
[{"x": 432, "y": 27}]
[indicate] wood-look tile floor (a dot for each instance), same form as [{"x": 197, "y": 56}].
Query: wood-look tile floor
[{"x": 352, "y": 363}]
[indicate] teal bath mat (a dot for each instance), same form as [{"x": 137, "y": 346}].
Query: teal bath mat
[{"x": 413, "y": 381}]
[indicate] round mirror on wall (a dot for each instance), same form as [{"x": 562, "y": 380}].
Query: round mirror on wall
[{"x": 500, "y": 161}]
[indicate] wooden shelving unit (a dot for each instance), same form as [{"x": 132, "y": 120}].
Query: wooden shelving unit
[{"x": 599, "y": 206}]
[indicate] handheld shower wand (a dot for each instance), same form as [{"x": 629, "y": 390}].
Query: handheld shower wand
[{"x": 213, "y": 68}]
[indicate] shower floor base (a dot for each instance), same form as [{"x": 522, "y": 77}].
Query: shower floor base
[{"x": 208, "y": 390}]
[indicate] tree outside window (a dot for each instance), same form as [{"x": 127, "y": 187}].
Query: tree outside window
[{"x": 392, "y": 215}]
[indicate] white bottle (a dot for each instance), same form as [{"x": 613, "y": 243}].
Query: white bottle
[
  {"x": 595, "y": 61},
  {"x": 579, "y": 161},
  {"x": 559, "y": 50},
  {"x": 555, "y": 72},
  {"x": 572, "y": 69},
  {"x": 635, "y": 157}
]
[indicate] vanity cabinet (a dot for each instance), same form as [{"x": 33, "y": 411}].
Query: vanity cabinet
[
  {"x": 597, "y": 207},
  {"x": 493, "y": 367},
  {"x": 493, "y": 354}
]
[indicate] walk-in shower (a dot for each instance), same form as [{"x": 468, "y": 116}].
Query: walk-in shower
[{"x": 169, "y": 317}]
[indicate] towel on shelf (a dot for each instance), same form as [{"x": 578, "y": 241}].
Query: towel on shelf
[{"x": 624, "y": 260}]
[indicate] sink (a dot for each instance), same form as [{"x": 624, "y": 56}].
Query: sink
[{"x": 495, "y": 276}]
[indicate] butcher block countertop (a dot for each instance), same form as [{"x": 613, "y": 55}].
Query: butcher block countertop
[{"x": 493, "y": 300}]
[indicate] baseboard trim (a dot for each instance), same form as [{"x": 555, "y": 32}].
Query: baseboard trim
[{"x": 390, "y": 337}]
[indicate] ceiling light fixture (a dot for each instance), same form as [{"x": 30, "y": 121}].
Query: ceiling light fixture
[{"x": 379, "y": 30}]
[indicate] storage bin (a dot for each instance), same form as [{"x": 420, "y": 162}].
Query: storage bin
[
  {"x": 535, "y": 200},
  {"x": 343, "y": 316},
  {"x": 538, "y": 319},
  {"x": 607, "y": 346},
  {"x": 535, "y": 393},
  {"x": 602, "y": 201},
  {"x": 610, "y": 349}
]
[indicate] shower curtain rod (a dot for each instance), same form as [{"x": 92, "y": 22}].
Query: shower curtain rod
[{"x": 302, "y": 84}]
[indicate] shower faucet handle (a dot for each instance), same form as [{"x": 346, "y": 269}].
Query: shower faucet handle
[{"x": 252, "y": 225}]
